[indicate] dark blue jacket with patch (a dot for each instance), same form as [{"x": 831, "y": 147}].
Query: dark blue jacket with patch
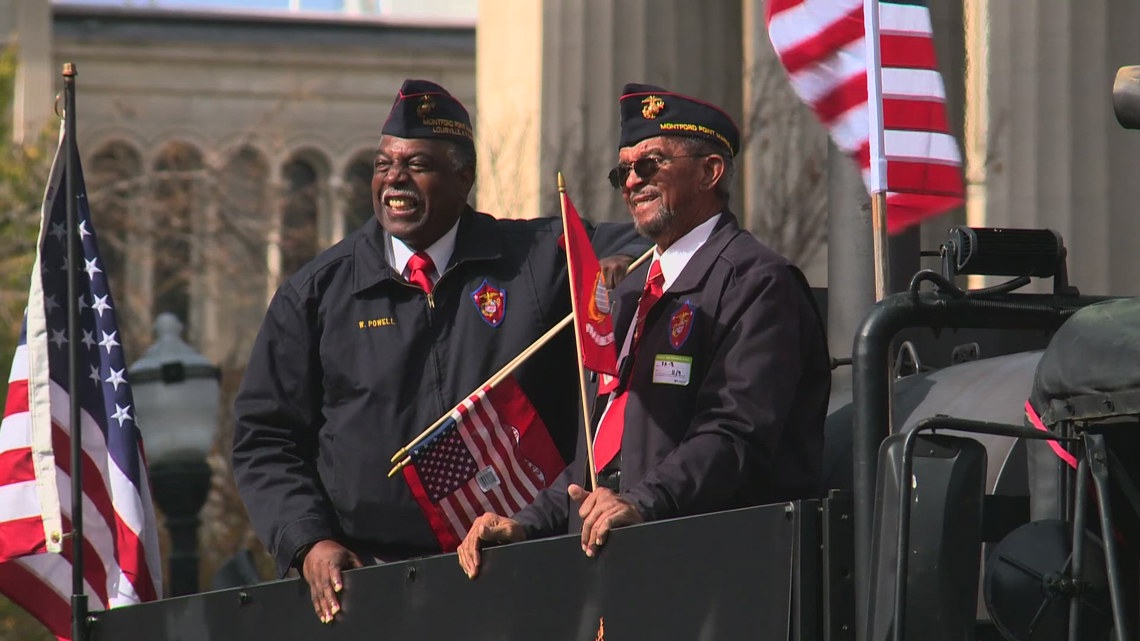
[{"x": 743, "y": 423}]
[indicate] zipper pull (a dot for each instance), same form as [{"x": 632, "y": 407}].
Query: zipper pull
[{"x": 431, "y": 301}]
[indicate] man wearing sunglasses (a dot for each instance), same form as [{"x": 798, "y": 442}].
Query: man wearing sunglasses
[{"x": 725, "y": 374}]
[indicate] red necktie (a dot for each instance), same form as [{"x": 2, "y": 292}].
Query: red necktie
[
  {"x": 420, "y": 268},
  {"x": 607, "y": 441}
]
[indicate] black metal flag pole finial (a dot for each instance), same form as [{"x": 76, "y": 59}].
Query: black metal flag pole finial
[{"x": 78, "y": 598}]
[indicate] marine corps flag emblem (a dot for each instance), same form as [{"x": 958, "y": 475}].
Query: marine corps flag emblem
[{"x": 592, "y": 318}]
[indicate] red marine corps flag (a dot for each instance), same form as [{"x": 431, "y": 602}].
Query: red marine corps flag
[
  {"x": 590, "y": 295},
  {"x": 882, "y": 98}
]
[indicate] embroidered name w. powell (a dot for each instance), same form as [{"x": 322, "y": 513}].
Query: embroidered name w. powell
[{"x": 376, "y": 322}]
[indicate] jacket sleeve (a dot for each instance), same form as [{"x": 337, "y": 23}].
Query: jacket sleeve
[
  {"x": 277, "y": 413},
  {"x": 549, "y": 513},
  {"x": 744, "y": 400}
]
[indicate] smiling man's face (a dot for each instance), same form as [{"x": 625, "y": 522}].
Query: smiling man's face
[
  {"x": 417, "y": 191},
  {"x": 656, "y": 202}
]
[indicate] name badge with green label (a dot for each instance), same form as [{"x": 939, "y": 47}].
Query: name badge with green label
[{"x": 672, "y": 369}]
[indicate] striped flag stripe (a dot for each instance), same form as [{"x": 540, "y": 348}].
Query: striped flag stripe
[
  {"x": 498, "y": 436},
  {"x": 850, "y": 131},
  {"x": 847, "y": 98},
  {"x": 19, "y": 369},
  {"x": 458, "y": 529},
  {"x": 16, "y": 532},
  {"x": 792, "y": 22},
  {"x": 903, "y": 19},
  {"x": 907, "y": 51},
  {"x": 483, "y": 449},
  {"x": 94, "y": 571},
  {"x": 492, "y": 500},
  {"x": 822, "y": 45},
  {"x": 98, "y": 496},
  {"x": 814, "y": 83},
  {"x": 38, "y": 596},
  {"x": 17, "y": 465},
  {"x": 916, "y": 115},
  {"x": 918, "y": 146},
  {"x": 908, "y": 209},
  {"x": 919, "y": 176},
  {"x": 17, "y": 401},
  {"x": 17, "y": 499},
  {"x": 914, "y": 84},
  {"x": 111, "y": 539}
]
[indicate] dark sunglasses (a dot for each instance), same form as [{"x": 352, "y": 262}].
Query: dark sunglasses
[{"x": 645, "y": 168}]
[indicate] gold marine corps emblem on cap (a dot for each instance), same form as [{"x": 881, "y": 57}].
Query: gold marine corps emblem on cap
[
  {"x": 426, "y": 106},
  {"x": 653, "y": 106}
]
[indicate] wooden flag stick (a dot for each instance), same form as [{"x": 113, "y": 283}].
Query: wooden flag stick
[
  {"x": 578, "y": 342},
  {"x": 402, "y": 455},
  {"x": 881, "y": 258},
  {"x": 491, "y": 382}
]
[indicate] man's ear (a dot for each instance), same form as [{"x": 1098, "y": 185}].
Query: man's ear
[
  {"x": 467, "y": 175},
  {"x": 713, "y": 171}
]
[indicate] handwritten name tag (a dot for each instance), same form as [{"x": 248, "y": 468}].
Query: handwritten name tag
[{"x": 672, "y": 369}]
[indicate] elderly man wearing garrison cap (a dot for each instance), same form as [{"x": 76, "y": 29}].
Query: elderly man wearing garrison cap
[
  {"x": 724, "y": 368},
  {"x": 383, "y": 333}
]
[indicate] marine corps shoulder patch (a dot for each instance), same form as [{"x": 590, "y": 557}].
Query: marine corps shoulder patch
[
  {"x": 681, "y": 325},
  {"x": 491, "y": 303}
]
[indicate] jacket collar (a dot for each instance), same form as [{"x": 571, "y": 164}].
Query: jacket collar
[
  {"x": 475, "y": 240},
  {"x": 692, "y": 277},
  {"x": 689, "y": 280}
]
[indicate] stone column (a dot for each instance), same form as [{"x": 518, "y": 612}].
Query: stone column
[
  {"x": 591, "y": 49},
  {"x": 35, "y": 72},
  {"x": 508, "y": 90},
  {"x": 549, "y": 76},
  {"x": 1057, "y": 158}
]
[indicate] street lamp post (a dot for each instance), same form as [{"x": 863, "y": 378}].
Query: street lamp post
[{"x": 176, "y": 401}]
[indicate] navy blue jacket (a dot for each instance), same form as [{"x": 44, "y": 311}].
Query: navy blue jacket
[{"x": 747, "y": 428}]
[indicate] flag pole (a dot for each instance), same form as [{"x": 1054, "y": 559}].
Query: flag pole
[
  {"x": 865, "y": 451},
  {"x": 402, "y": 454},
  {"x": 878, "y": 168},
  {"x": 578, "y": 345},
  {"x": 78, "y": 597}
]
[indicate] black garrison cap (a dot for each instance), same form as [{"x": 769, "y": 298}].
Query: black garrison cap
[
  {"x": 424, "y": 109},
  {"x": 648, "y": 111}
]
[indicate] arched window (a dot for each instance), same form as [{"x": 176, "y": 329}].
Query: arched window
[
  {"x": 112, "y": 185},
  {"x": 178, "y": 174},
  {"x": 358, "y": 192},
  {"x": 299, "y": 238},
  {"x": 240, "y": 230}
]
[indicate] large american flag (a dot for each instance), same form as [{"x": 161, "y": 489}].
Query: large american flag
[
  {"x": 823, "y": 47},
  {"x": 493, "y": 454},
  {"x": 120, "y": 543}
]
